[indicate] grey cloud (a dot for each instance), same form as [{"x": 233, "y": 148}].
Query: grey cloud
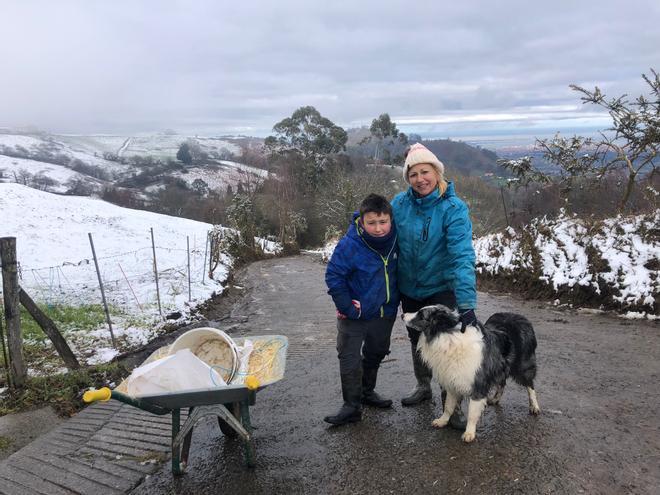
[{"x": 76, "y": 66}]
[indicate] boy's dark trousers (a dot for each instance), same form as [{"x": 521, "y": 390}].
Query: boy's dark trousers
[
  {"x": 363, "y": 343},
  {"x": 361, "y": 346}
]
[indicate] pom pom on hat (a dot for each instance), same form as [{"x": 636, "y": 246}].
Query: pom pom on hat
[{"x": 419, "y": 153}]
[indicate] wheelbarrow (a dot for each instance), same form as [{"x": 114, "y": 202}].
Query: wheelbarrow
[{"x": 230, "y": 404}]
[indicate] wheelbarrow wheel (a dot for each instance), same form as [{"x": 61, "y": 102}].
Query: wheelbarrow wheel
[{"x": 227, "y": 430}]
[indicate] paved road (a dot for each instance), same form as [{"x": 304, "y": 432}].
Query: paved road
[{"x": 597, "y": 386}]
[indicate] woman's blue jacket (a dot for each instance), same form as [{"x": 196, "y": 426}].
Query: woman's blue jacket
[
  {"x": 358, "y": 271},
  {"x": 435, "y": 246}
]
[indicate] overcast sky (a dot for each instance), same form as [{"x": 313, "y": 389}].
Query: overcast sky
[{"x": 439, "y": 68}]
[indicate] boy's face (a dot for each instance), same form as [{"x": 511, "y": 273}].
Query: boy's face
[{"x": 377, "y": 224}]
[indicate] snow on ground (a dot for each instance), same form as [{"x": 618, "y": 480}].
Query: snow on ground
[
  {"x": 24, "y": 141},
  {"x": 75, "y": 147},
  {"x": 165, "y": 146},
  {"x": 57, "y": 266},
  {"x": 218, "y": 177},
  {"x": 12, "y": 167},
  {"x": 90, "y": 150},
  {"x": 568, "y": 248}
]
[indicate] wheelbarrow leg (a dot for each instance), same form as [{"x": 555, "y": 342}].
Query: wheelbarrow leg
[
  {"x": 176, "y": 425},
  {"x": 250, "y": 454},
  {"x": 227, "y": 430},
  {"x": 185, "y": 447}
]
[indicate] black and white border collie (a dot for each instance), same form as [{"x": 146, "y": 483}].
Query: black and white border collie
[{"x": 472, "y": 362}]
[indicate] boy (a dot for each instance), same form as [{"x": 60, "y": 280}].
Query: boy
[{"x": 361, "y": 278}]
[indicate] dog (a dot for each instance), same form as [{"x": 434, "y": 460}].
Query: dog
[{"x": 471, "y": 361}]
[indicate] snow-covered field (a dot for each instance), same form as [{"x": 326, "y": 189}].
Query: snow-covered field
[
  {"x": 56, "y": 262},
  {"x": 60, "y": 145},
  {"x": 13, "y": 169},
  {"x": 218, "y": 177},
  {"x": 91, "y": 149}
]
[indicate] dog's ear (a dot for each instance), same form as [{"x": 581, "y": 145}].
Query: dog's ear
[{"x": 444, "y": 317}]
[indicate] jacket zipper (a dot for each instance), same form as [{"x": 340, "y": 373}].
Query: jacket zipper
[{"x": 385, "y": 263}]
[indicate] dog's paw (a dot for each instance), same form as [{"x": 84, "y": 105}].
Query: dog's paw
[
  {"x": 492, "y": 401},
  {"x": 468, "y": 436},
  {"x": 534, "y": 410},
  {"x": 440, "y": 422}
]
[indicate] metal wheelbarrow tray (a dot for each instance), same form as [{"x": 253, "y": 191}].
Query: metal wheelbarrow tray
[{"x": 230, "y": 404}]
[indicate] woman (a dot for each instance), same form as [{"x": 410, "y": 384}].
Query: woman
[{"x": 436, "y": 256}]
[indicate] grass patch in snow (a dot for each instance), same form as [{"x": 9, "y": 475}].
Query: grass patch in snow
[
  {"x": 66, "y": 318},
  {"x": 61, "y": 391},
  {"x": 38, "y": 351}
]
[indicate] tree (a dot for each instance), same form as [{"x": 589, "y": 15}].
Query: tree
[
  {"x": 308, "y": 137},
  {"x": 383, "y": 129},
  {"x": 200, "y": 187},
  {"x": 628, "y": 149},
  {"x": 184, "y": 155}
]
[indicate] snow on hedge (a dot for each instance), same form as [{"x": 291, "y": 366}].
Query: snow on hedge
[{"x": 622, "y": 254}]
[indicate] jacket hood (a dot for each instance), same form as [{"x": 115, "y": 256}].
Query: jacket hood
[{"x": 362, "y": 233}]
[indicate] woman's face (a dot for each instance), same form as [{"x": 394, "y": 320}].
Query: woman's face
[{"x": 423, "y": 178}]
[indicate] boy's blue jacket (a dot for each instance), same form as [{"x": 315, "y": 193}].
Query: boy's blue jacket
[
  {"x": 358, "y": 271},
  {"x": 435, "y": 246}
]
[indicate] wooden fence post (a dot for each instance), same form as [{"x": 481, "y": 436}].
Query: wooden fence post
[
  {"x": 153, "y": 247},
  {"x": 5, "y": 358},
  {"x": 50, "y": 329},
  {"x": 10, "y": 290},
  {"x": 206, "y": 247},
  {"x": 188, "y": 249},
  {"x": 105, "y": 304}
]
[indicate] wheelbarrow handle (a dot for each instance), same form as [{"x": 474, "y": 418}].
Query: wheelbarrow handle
[{"x": 103, "y": 394}]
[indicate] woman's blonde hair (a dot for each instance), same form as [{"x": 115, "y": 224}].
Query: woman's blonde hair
[{"x": 442, "y": 183}]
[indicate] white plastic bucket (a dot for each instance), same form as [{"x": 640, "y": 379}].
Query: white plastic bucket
[{"x": 214, "y": 347}]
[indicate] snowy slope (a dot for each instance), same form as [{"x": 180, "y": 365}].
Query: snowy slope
[
  {"x": 56, "y": 261},
  {"x": 12, "y": 169},
  {"x": 41, "y": 144},
  {"x": 219, "y": 176},
  {"x": 56, "y": 153}
]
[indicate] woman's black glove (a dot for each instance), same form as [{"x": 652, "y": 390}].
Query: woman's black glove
[{"x": 468, "y": 318}]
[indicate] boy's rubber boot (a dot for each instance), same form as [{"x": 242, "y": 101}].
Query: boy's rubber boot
[
  {"x": 351, "y": 389},
  {"x": 369, "y": 396},
  {"x": 457, "y": 420},
  {"x": 423, "y": 373}
]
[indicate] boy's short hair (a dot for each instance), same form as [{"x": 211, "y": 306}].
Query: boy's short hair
[{"x": 375, "y": 203}]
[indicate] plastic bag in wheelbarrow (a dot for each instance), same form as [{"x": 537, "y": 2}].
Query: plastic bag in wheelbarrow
[{"x": 175, "y": 373}]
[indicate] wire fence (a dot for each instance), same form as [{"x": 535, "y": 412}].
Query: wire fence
[{"x": 128, "y": 278}]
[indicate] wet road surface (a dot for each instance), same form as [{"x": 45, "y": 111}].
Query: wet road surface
[{"x": 598, "y": 431}]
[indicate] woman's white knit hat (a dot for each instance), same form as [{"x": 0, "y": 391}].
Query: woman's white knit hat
[{"x": 419, "y": 153}]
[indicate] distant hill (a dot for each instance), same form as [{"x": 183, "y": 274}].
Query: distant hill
[
  {"x": 84, "y": 165},
  {"x": 463, "y": 157},
  {"x": 456, "y": 155}
]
